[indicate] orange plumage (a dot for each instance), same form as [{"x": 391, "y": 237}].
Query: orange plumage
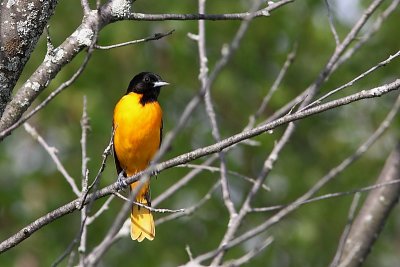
[{"x": 137, "y": 126}]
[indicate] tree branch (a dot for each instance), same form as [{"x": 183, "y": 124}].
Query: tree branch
[
  {"x": 234, "y": 16},
  {"x": 373, "y": 215},
  {"x": 52, "y": 95},
  {"x": 52, "y": 151},
  {"x": 22, "y": 24},
  {"x": 345, "y": 235},
  {"x": 328, "y": 69},
  {"x": 83, "y": 37},
  {"x": 51, "y": 65},
  {"x": 367, "y": 36},
  {"x": 154, "y": 37},
  {"x": 203, "y": 77},
  {"x": 322, "y": 182},
  {"x": 187, "y": 157},
  {"x": 329, "y": 196},
  {"x": 359, "y": 77}
]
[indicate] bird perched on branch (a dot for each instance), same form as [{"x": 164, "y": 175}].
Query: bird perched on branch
[{"x": 137, "y": 125}]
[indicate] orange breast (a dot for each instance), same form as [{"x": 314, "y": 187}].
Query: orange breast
[{"x": 137, "y": 132}]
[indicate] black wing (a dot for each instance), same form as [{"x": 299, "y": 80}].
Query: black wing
[
  {"x": 161, "y": 129},
  {"x": 117, "y": 164}
]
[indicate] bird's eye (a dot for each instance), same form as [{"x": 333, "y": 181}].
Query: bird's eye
[{"x": 147, "y": 79}]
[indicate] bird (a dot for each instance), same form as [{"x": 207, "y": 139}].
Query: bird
[{"x": 137, "y": 128}]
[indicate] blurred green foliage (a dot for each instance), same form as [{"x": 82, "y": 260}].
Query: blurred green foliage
[{"x": 30, "y": 185}]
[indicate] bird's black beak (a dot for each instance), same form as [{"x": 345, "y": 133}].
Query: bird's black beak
[{"x": 159, "y": 84}]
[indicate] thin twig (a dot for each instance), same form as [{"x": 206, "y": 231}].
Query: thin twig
[
  {"x": 53, "y": 94},
  {"x": 124, "y": 231},
  {"x": 93, "y": 22},
  {"x": 249, "y": 255},
  {"x": 322, "y": 182},
  {"x": 181, "y": 182},
  {"x": 195, "y": 154},
  {"x": 341, "y": 54},
  {"x": 373, "y": 214},
  {"x": 85, "y": 180},
  {"x": 367, "y": 36},
  {"x": 345, "y": 235},
  {"x": 93, "y": 257},
  {"x": 227, "y": 52},
  {"x": 155, "y": 36},
  {"x": 148, "y": 207},
  {"x": 70, "y": 247},
  {"x": 246, "y": 206},
  {"x": 52, "y": 151},
  {"x": 203, "y": 77},
  {"x": 96, "y": 254},
  {"x": 85, "y": 128},
  {"x": 216, "y": 169},
  {"x": 85, "y": 6},
  {"x": 190, "y": 107},
  {"x": 359, "y": 77},
  {"x": 102, "y": 209},
  {"x": 71, "y": 259},
  {"x": 339, "y": 50},
  {"x": 288, "y": 62},
  {"x": 190, "y": 210},
  {"x": 331, "y": 23},
  {"x": 94, "y": 184},
  {"x": 329, "y": 196},
  {"x": 49, "y": 43},
  {"x": 234, "y": 16},
  {"x": 189, "y": 252}
]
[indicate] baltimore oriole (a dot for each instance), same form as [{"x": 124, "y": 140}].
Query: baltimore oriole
[{"x": 137, "y": 125}]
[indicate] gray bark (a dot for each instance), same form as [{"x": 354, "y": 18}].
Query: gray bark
[
  {"x": 373, "y": 215},
  {"x": 21, "y": 24}
]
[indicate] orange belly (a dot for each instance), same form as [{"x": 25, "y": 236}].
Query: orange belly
[{"x": 137, "y": 132}]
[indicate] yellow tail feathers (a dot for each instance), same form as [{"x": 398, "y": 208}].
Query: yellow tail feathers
[{"x": 142, "y": 223}]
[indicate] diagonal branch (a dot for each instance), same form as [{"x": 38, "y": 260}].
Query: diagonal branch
[
  {"x": 52, "y": 151},
  {"x": 340, "y": 49},
  {"x": 51, "y": 65},
  {"x": 249, "y": 255},
  {"x": 53, "y": 94},
  {"x": 85, "y": 6},
  {"x": 83, "y": 36},
  {"x": 195, "y": 154},
  {"x": 367, "y": 36},
  {"x": 22, "y": 23},
  {"x": 330, "y": 195},
  {"x": 322, "y": 182},
  {"x": 246, "y": 206},
  {"x": 359, "y": 77},
  {"x": 203, "y": 77},
  {"x": 373, "y": 215},
  {"x": 345, "y": 235},
  {"x": 331, "y": 23}
]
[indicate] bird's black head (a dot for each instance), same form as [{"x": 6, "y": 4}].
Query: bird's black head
[{"x": 146, "y": 84}]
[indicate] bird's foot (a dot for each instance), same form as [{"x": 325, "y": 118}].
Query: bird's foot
[{"x": 155, "y": 173}]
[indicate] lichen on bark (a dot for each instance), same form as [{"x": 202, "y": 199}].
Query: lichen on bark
[{"x": 21, "y": 24}]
